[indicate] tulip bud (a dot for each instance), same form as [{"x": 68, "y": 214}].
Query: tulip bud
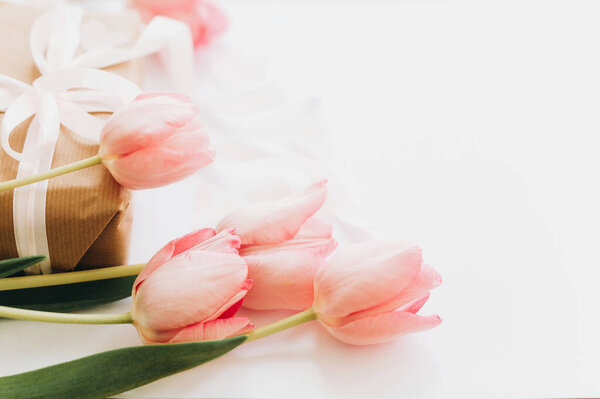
[
  {"x": 153, "y": 141},
  {"x": 191, "y": 290},
  {"x": 370, "y": 292},
  {"x": 284, "y": 247}
]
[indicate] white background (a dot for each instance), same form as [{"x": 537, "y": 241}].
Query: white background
[{"x": 468, "y": 127}]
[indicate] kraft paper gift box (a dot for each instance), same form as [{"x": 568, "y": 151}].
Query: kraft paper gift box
[{"x": 88, "y": 215}]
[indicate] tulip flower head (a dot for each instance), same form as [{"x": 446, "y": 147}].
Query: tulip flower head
[
  {"x": 284, "y": 247},
  {"x": 192, "y": 289},
  {"x": 155, "y": 140},
  {"x": 370, "y": 292}
]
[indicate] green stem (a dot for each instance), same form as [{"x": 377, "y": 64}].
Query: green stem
[
  {"x": 283, "y": 324},
  {"x": 45, "y": 280},
  {"x": 36, "y": 315},
  {"x": 62, "y": 170}
]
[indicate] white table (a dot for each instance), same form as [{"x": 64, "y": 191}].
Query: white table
[{"x": 469, "y": 127}]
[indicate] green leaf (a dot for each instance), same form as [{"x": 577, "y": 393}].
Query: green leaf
[
  {"x": 109, "y": 373},
  {"x": 69, "y": 297},
  {"x": 11, "y": 266}
]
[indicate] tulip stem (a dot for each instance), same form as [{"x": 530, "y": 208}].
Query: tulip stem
[
  {"x": 62, "y": 170},
  {"x": 69, "y": 318},
  {"x": 283, "y": 324},
  {"x": 45, "y": 280}
]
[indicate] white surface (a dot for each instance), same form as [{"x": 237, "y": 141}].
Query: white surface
[{"x": 468, "y": 127}]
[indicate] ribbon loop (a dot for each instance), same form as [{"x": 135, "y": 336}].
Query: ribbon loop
[
  {"x": 87, "y": 78},
  {"x": 64, "y": 96},
  {"x": 21, "y": 109}
]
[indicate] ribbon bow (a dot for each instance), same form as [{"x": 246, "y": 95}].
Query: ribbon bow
[
  {"x": 68, "y": 90},
  {"x": 55, "y": 43}
]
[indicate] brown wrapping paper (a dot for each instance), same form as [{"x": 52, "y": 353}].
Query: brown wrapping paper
[{"x": 88, "y": 217}]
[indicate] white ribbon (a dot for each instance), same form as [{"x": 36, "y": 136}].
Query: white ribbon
[
  {"x": 64, "y": 62},
  {"x": 55, "y": 40}
]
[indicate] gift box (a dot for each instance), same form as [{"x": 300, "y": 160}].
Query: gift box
[{"x": 87, "y": 214}]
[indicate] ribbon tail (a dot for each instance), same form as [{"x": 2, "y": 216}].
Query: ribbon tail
[
  {"x": 29, "y": 202},
  {"x": 171, "y": 39}
]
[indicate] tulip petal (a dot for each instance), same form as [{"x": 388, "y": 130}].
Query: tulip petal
[
  {"x": 173, "y": 248},
  {"x": 189, "y": 288},
  {"x": 362, "y": 276},
  {"x": 232, "y": 310},
  {"x": 414, "y": 306},
  {"x": 215, "y": 329},
  {"x": 283, "y": 277},
  {"x": 426, "y": 280},
  {"x": 418, "y": 290},
  {"x": 150, "y": 336},
  {"x": 171, "y": 160},
  {"x": 314, "y": 228},
  {"x": 164, "y": 116},
  {"x": 224, "y": 241},
  {"x": 228, "y": 308},
  {"x": 191, "y": 240},
  {"x": 383, "y": 327},
  {"x": 277, "y": 221},
  {"x": 428, "y": 277},
  {"x": 321, "y": 245}
]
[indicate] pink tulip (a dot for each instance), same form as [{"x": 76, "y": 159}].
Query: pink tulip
[
  {"x": 204, "y": 19},
  {"x": 155, "y": 140},
  {"x": 284, "y": 247},
  {"x": 191, "y": 290},
  {"x": 370, "y": 292}
]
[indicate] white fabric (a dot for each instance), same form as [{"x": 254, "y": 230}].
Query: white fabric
[
  {"x": 57, "y": 38},
  {"x": 269, "y": 143}
]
